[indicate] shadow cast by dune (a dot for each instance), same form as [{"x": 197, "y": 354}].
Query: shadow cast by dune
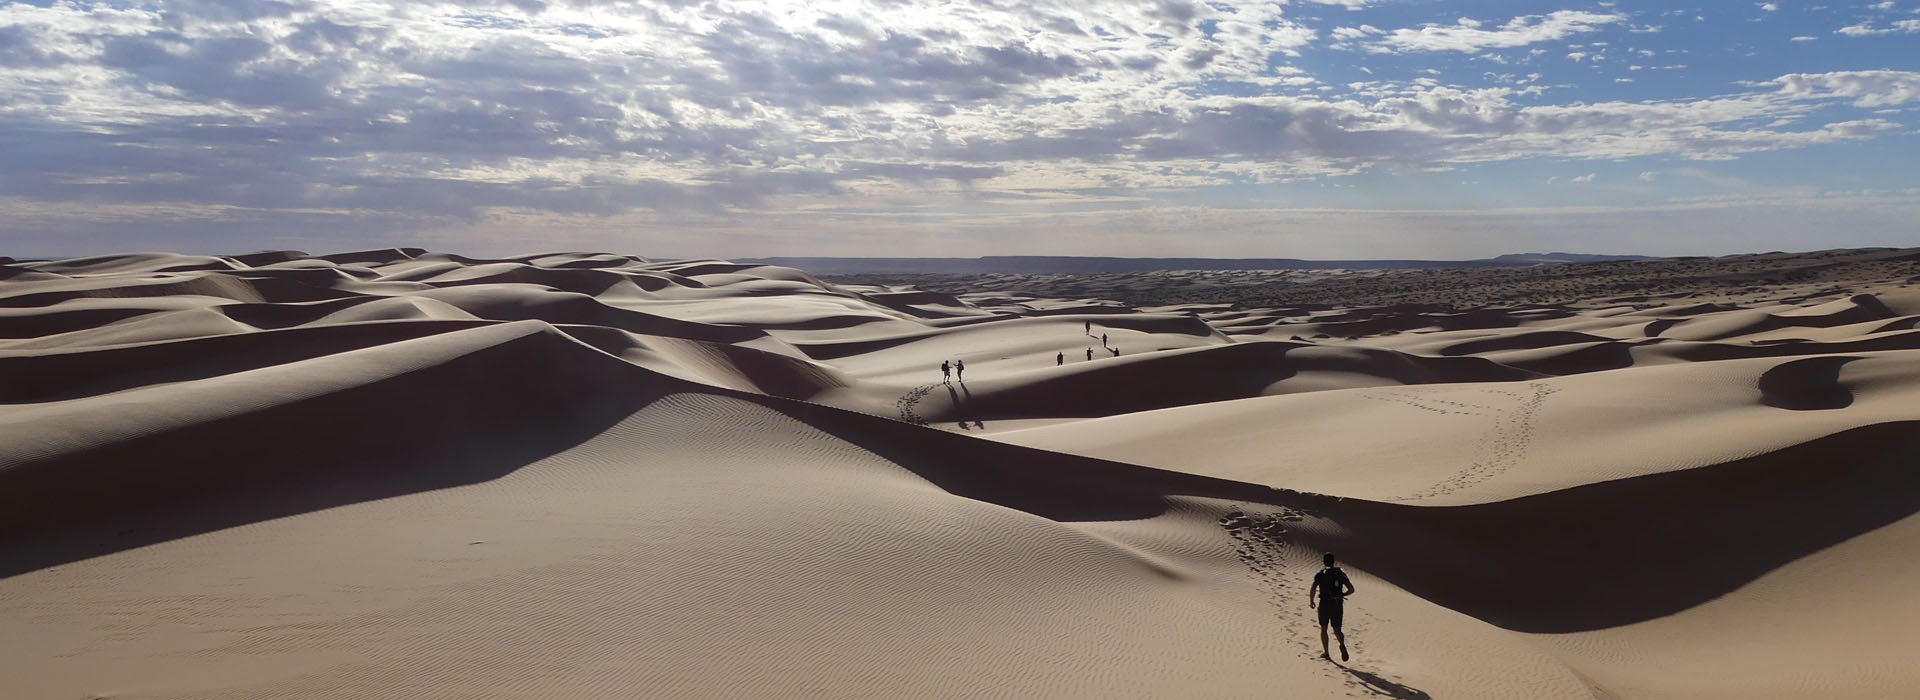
[
  {"x": 1619, "y": 552},
  {"x": 1520, "y": 341},
  {"x": 1212, "y": 373},
  {"x": 1575, "y": 359},
  {"x": 1812, "y": 384},
  {"x": 1052, "y": 485},
  {"x": 1714, "y": 351},
  {"x": 468, "y": 419},
  {"x": 66, "y": 375},
  {"x": 1658, "y": 326}
]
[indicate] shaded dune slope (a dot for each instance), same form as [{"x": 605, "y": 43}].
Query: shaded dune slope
[
  {"x": 1206, "y": 374},
  {"x": 298, "y": 436},
  {"x": 1568, "y": 561}
]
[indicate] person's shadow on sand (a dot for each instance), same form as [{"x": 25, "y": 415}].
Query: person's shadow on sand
[
  {"x": 955, "y": 395},
  {"x": 1382, "y": 686}
]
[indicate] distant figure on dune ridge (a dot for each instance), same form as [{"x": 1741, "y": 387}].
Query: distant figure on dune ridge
[
  {"x": 1116, "y": 351},
  {"x": 1330, "y": 590},
  {"x": 1059, "y": 358},
  {"x": 1103, "y": 340},
  {"x": 946, "y": 372},
  {"x": 1089, "y": 354},
  {"x": 960, "y": 370},
  {"x": 1089, "y": 328}
]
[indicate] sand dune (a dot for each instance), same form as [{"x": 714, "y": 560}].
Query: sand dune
[{"x": 398, "y": 473}]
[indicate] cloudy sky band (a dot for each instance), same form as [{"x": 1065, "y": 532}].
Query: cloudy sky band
[{"x": 736, "y": 128}]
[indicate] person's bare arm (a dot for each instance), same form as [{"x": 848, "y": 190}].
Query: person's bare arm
[
  {"x": 1313, "y": 598},
  {"x": 1348, "y": 584}
]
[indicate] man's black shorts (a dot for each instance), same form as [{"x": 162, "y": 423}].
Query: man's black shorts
[{"x": 1331, "y": 612}]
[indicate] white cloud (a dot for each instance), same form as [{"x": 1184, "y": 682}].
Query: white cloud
[
  {"x": 1867, "y": 88},
  {"x": 1904, "y": 26},
  {"x": 1768, "y": 6},
  {"x": 1351, "y": 33},
  {"x": 1648, "y": 176},
  {"x": 1467, "y": 35},
  {"x": 1583, "y": 179}
]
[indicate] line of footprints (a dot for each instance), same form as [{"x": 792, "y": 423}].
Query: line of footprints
[
  {"x": 907, "y": 403},
  {"x": 1260, "y": 542}
]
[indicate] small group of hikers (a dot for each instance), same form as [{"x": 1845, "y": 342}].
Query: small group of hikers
[
  {"x": 957, "y": 369},
  {"x": 1060, "y": 358}
]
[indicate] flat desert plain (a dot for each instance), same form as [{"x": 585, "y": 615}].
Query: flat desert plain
[{"x": 400, "y": 474}]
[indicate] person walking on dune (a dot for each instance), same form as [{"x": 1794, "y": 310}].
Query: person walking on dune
[
  {"x": 1103, "y": 340},
  {"x": 1089, "y": 328},
  {"x": 1089, "y": 354},
  {"x": 960, "y": 370},
  {"x": 946, "y": 372},
  {"x": 1329, "y": 591},
  {"x": 1059, "y": 358}
]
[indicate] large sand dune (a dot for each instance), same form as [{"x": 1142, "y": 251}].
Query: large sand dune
[{"x": 410, "y": 475}]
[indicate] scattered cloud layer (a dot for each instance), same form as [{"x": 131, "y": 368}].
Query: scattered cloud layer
[{"x": 393, "y": 116}]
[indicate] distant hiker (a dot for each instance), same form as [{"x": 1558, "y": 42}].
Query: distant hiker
[
  {"x": 960, "y": 370},
  {"x": 946, "y": 372},
  {"x": 1089, "y": 354},
  {"x": 1059, "y": 358},
  {"x": 1330, "y": 590},
  {"x": 1116, "y": 351},
  {"x": 1089, "y": 328},
  {"x": 1103, "y": 340}
]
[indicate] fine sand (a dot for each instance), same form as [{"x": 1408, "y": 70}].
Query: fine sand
[{"x": 396, "y": 474}]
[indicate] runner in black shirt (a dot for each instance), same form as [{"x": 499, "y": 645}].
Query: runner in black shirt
[{"x": 1329, "y": 592}]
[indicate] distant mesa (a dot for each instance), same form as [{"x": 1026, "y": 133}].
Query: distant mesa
[{"x": 1541, "y": 258}]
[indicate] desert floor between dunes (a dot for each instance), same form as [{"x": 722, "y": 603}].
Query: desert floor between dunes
[{"x": 405, "y": 474}]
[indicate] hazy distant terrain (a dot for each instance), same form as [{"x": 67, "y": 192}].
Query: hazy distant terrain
[
  {"x": 1079, "y": 265},
  {"x": 1461, "y": 286}
]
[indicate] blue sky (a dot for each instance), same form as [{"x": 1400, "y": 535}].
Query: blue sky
[{"x": 1320, "y": 129}]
